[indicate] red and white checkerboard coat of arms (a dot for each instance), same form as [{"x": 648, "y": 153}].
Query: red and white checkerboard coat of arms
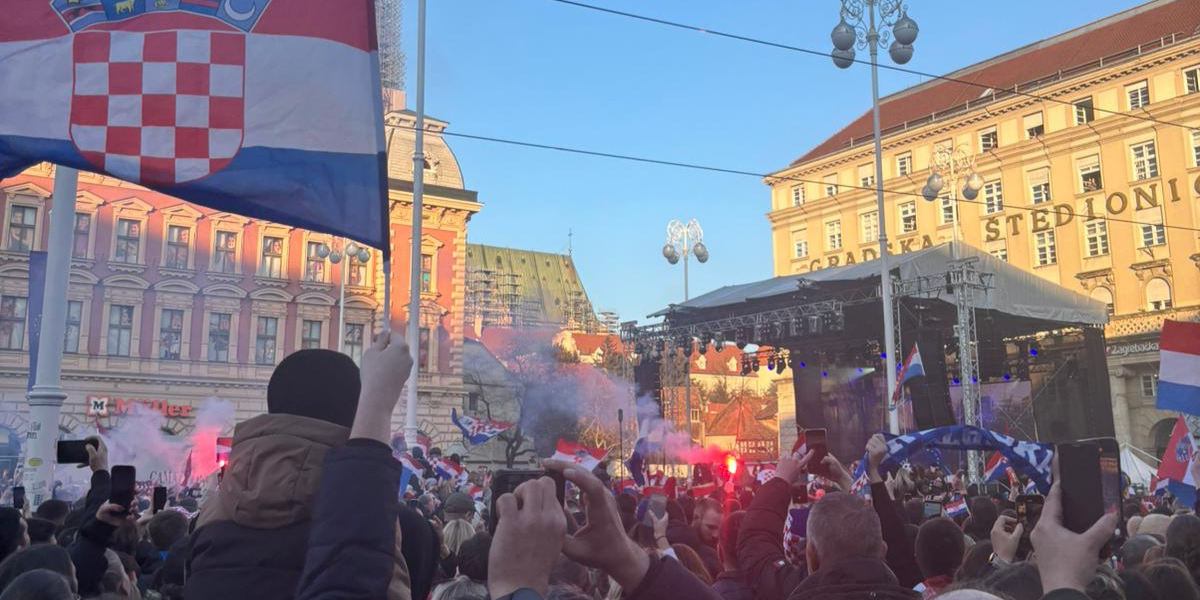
[{"x": 159, "y": 107}]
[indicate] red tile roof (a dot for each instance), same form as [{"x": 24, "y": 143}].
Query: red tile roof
[
  {"x": 739, "y": 419},
  {"x": 589, "y": 343},
  {"x": 1115, "y": 34}
]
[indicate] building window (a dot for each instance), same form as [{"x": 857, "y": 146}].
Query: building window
[
  {"x": 12, "y": 321},
  {"x": 988, "y": 140},
  {"x": 353, "y": 341},
  {"x": 1085, "y": 111},
  {"x": 310, "y": 335},
  {"x": 1145, "y": 161},
  {"x": 170, "y": 334},
  {"x": 426, "y": 273},
  {"x": 1046, "y": 249},
  {"x": 178, "y": 240},
  {"x": 1191, "y": 79},
  {"x": 866, "y": 175},
  {"x": 264, "y": 341},
  {"x": 1089, "y": 174},
  {"x": 904, "y": 164},
  {"x": 800, "y": 247},
  {"x": 120, "y": 330},
  {"x": 1150, "y": 385},
  {"x": 219, "y": 325},
  {"x": 946, "y": 210},
  {"x": 423, "y": 344},
  {"x": 225, "y": 252},
  {"x": 1153, "y": 234},
  {"x": 1034, "y": 126},
  {"x": 129, "y": 241},
  {"x": 22, "y": 225},
  {"x": 1103, "y": 294},
  {"x": 358, "y": 272},
  {"x": 993, "y": 197},
  {"x": 1039, "y": 186},
  {"x": 314, "y": 265},
  {"x": 1196, "y": 148},
  {"x": 908, "y": 217},
  {"x": 999, "y": 249},
  {"x": 1158, "y": 294},
  {"x": 1095, "y": 232},
  {"x": 83, "y": 230},
  {"x": 472, "y": 402},
  {"x": 831, "y": 188},
  {"x": 797, "y": 195},
  {"x": 74, "y": 325},
  {"x": 272, "y": 258},
  {"x": 870, "y": 227},
  {"x": 833, "y": 235},
  {"x": 1138, "y": 94}
]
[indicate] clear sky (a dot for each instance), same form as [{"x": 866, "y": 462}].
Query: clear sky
[{"x": 544, "y": 72}]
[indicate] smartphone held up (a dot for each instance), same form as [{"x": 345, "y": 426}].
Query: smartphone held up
[{"x": 1089, "y": 473}]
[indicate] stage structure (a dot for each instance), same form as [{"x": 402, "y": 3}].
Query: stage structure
[{"x": 987, "y": 332}]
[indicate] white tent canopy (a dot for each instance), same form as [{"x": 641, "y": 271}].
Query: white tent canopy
[
  {"x": 1138, "y": 470},
  {"x": 1014, "y": 292}
]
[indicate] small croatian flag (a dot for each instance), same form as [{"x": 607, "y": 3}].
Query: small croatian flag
[
  {"x": 1179, "y": 368},
  {"x": 956, "y": 507}
]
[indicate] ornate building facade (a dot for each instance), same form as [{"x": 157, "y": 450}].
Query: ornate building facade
[
  {"x": 172, "y": 304},
  {"x": 1096, "y": 191}
]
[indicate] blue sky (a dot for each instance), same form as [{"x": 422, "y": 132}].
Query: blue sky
[{"x": 544, "y": 72}]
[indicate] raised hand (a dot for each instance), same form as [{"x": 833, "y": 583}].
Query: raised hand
[
  {"x": 385, "y": 368},
  {"x": 1067, "y": 559},
  {"x": 528, "y": 540}
]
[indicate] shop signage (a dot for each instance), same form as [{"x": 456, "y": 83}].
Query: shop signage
[
  {"x": 868, "y": 254},
  {"x": 1119, "y": 350},
  {"x": 1116, "y": 203},
  {"x": 757, "y": 447},
  {"x": 105, "y": 406}
]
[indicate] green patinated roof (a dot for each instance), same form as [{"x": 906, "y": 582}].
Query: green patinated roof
[{"x": 547, "y": 287}]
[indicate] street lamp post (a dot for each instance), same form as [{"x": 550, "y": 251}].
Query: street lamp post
[
  {"x": 950, "y": 166},
  {"x": 683, "y": 241},
  {"x": 335, "y": 256},
  {"x": 860, "y": 26}
]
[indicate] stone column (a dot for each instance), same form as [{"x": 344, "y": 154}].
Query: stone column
[{"x": 1120, "y": 403}]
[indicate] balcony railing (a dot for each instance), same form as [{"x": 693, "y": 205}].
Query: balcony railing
[{"x": 1148, "y": 322}]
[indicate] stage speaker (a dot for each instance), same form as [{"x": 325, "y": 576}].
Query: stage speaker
[
  {"x": 806, "y": 383},
  {"x": 1078, "y": 404},
  {"x": 647, "y": 380},
  {"x": 993, "y": 353},
  {"x": 931, "y": 394}
]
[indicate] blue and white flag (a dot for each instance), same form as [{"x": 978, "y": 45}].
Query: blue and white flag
[
  {"x": 1033, "y": 459},
  {"x": 477, "y": 430},
  {"x": 270, "y": 109}
]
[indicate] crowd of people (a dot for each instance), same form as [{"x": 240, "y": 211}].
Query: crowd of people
[{"x": 310, "y": 506}]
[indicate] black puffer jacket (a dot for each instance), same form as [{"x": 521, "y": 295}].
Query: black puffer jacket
[{"x": 852, "y": 580}]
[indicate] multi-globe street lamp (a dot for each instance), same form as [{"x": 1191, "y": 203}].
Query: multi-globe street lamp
[
  {"x": 684, "y": 241},
  {"x": 860, "y": 25},
  {"x": 335, "y": 256}
]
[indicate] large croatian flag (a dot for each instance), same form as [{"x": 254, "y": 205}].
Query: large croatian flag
[
  {"x": 266, "y": 108},
  {"x": 911, "y": 369},
  {"x": 1179, "y": 368},
  {"x": 477, "y": 430}
]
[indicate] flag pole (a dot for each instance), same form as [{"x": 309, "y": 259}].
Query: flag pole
[
  {"x": 47, "y": 396},
  {"x": 414, "y": 279}
]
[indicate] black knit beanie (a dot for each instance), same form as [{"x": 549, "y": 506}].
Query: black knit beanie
[{"x": 318, "y": 384}]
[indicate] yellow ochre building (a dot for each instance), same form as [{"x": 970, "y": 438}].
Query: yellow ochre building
[{"x": 1093, "y": 184}]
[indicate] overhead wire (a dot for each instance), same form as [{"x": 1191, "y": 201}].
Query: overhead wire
[
  {"x": 768, "y": 176},
  {"x": 781, "y": 46}
]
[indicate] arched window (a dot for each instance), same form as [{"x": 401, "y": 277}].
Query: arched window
[
  {"x": 1158, "y": 294},
  {"x": 1162, "y": 435},
  {"x": 1103, "y": 294}
]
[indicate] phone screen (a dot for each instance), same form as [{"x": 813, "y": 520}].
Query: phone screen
[
  {"x": 506, "y": 481},
  {"x": 123, "y": 485},
  {"x": 1029, "y": 510},
  {"x": 815, "y": 440},
  {"x": 74, "y": 452},
  {"x": 1082, "y": 485},
  {"x": 19, "y": 497},
  {"x": 933, "y": 509},
  {"x": 160, "y": 498},
  {"x": 655, "y": 509}
]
